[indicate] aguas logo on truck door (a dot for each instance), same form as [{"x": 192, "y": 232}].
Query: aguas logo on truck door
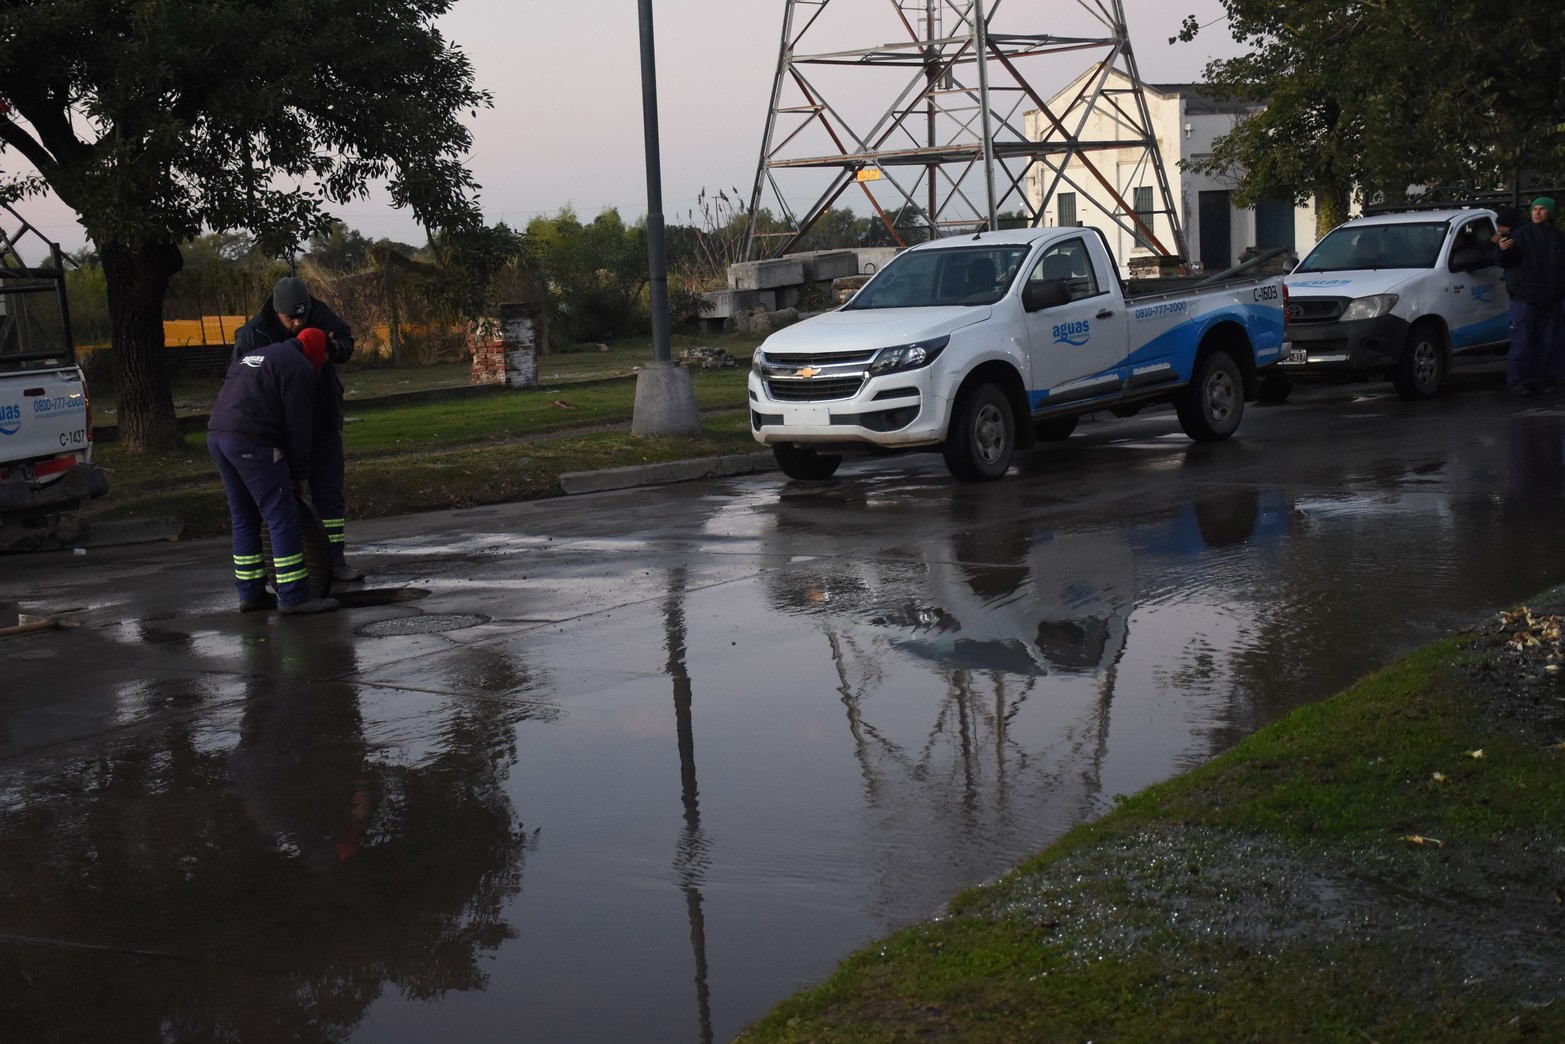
[
  {"x": 10, "y": 418},
  {"x": 1074, "y": 334}
]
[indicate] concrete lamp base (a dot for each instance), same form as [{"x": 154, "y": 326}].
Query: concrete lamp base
[{"x": 665, "y": 401}]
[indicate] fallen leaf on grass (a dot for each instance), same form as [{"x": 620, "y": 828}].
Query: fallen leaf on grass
[
  {"x": 561, "y": 404},
  {"x": 1475, "y": 754},
  {"x": 1420, "y": 839},
  {"x": 1441, "y": 777}
]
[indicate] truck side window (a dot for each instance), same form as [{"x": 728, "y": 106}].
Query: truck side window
[{"x": 1068, "y": 263}]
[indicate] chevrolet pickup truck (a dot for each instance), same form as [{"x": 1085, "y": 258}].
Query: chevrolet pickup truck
[
  {"x": 46, "y": 467},
  {"x": 1404, "y": 296},
  {"x": 978, "y": 345}
]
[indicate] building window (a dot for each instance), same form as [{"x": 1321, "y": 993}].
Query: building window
[
  {"x": 1143, "y": 205},
  {"x": 1067, "y": 209}
]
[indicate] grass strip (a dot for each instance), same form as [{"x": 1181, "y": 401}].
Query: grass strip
[{"x": 1383, "y": 865}]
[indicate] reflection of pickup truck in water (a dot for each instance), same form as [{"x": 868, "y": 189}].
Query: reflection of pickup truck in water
[
  {"x": 46, "y": 467},
  {"x": 1401, "y": 295},
  {"x": 978, "y": 345}
]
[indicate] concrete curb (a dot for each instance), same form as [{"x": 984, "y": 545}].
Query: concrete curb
[{"x": 573, "y": 482}]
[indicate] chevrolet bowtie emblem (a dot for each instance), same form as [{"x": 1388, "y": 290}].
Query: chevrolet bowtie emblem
[{"x": 808, "y": 371}]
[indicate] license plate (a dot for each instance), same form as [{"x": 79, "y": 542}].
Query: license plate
[
  {"x": 809, "y": 416},
  {"x": 1296, "y": 356}
]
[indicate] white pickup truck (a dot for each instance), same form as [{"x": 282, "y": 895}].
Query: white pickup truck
[
  {"x": 46, "y": 467},
  {"x": 1404, "y": 295},
  {"x": 977, "y": 345}
]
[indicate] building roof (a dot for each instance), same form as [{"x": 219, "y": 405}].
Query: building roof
[{"x": 1198, "y": 100}]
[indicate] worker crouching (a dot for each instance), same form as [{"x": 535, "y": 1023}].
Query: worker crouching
[{"x": 259, "y": 435}]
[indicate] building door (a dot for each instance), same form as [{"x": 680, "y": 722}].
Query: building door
[
  {"x": 1216, "y": 222},
  {"x": 1274, "y": 224}
]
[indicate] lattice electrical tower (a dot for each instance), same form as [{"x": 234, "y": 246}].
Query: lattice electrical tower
[{"x": 943, "y": 129}]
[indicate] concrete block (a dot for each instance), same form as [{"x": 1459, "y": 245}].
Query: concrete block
[
  {"x": 826, "y": 265},
  {"x": 731, "y": 302},
  {"x": 766, "y": 275}
]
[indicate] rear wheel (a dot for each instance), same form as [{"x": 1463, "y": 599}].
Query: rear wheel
[
  {"x": 982, "y": 438},
  {"x": 1275, "y": 388},
  {"x": 1422, "y": 367},
  {"x": 799, "y": 463},
  {"x": 1212, "y": 404}
]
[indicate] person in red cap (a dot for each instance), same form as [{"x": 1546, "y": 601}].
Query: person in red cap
[
  {"x": 259, "y": 434},
  {"x": 290, "y": 309}
]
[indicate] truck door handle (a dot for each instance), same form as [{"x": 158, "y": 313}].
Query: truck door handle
[
  {"x": 1107, "y": 313},
  {"x": 1458, "y": 286}
]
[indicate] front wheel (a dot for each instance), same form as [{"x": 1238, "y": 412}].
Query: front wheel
[
  {"x": 1422, "y": 367},
  {"x": 982, "y": 438},
  {"x": 1212, "y": 404},
  {"x": 799, "y": 463}
]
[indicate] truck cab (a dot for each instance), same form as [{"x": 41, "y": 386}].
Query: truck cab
[
  {"x": 1404, "y": 296},
  {"x": 46, "y": 467}
]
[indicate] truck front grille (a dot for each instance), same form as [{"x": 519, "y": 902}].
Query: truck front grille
[
  {"x": 818, "y": 389},
  {"x": 1315, "y": 309}
]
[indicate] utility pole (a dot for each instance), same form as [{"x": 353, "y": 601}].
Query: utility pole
[{"x": 665, "y": 394}]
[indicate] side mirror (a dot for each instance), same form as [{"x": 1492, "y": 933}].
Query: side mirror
[
  {"x": 1468, "y": 259},
  {"x": 1045, "y": 294}
]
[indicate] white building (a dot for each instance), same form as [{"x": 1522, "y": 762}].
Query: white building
[{"x": 1185, "y": 122}]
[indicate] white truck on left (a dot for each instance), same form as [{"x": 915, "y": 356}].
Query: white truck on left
[{"x": 46, "y": 467}]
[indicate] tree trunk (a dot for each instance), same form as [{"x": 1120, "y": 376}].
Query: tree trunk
[{"x": 137, "y": 279}]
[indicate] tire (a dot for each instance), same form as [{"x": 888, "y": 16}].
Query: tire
[
  {"x": 982, "y": 438},
  {"x": 1212, "y": 404},
  {"x": 1422, "y": 367},
  {"x": 317, "y": 549},
  {"x": 1275, "y": 389},
  {"x": 799, "y": 463},
  {"x": 1055, "y": 430}
]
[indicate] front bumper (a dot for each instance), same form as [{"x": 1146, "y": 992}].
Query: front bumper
[
  {"x": 894, "y": 411},
  {"x": 1344, "y": 347}
]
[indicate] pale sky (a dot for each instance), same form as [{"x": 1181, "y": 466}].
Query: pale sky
[{"x": 566, "y": 126}]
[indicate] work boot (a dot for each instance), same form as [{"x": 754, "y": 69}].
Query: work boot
[
  {"x": 344, "y": 572},
  {"x": 314, "y": 605},
  {"x": 258, "y": 603}
]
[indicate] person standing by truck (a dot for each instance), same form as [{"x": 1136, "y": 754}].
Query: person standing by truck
[
  {"x": 259, "y": 436},
  {"x": 1533, "y": 257},
  {"x": 290, "y": 309}
]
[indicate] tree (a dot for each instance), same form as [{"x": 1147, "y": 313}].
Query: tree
[
  {"x": 596, "y": 273},
  {"x": 1380, "y": 98},
  {"x": 157, "y": 119}
]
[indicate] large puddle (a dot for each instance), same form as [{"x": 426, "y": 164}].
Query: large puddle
[{"x": 648, "y": 799}]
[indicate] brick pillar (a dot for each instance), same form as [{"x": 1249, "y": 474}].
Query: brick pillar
[{"x": 505, "y": 347}]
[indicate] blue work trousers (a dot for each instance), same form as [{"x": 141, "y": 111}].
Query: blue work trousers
[
  {"x": 255, "y": 477},
  {"x": 1537, "y": 355},
  {"x": 327, "y": 469}
]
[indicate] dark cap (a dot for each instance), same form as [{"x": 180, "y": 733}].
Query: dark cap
[
  {"x": 1510, "y": 217},
  {"x": 291, "y": 297}
]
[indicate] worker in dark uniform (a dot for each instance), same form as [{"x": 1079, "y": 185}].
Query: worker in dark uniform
[
  {"x": 259, "y": 434},
  {"x": 291, "y": 309}
]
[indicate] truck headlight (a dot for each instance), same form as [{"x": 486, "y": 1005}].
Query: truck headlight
[
  {"x": 1372, "y": 307},
  {"x": 908, "y": 356}
]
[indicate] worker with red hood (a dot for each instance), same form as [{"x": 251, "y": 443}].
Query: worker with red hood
[{"x": 259, "y": 434}]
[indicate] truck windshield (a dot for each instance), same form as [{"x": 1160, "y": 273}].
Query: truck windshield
[
  {"x": 1359, "y": 247},
  {"x": 978, "y": 275}
]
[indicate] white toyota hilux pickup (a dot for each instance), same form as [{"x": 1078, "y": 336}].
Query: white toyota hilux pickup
[
  {"x": 1403, "y": 295},
  {"x": 977, "y": 345}
]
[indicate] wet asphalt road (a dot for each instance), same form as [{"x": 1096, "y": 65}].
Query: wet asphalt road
[{"x": 634, "y": 766}]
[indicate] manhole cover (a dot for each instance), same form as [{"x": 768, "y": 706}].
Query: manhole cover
[{"x": 434, "y": 623}]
